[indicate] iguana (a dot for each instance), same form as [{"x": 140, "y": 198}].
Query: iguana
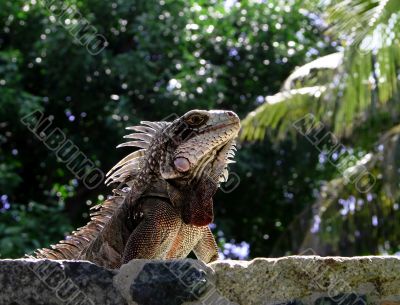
[{"x": 163, "y": 204}]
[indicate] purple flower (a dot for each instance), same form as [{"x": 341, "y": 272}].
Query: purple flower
[
  {"x": 4, "y": 204},
  {"x": 212, "y": 226},
  {"x": 316, "y": 224},
  {"x": 322, "y": 158},
  {"x": 233, "y": 52},
  {"x": 260, "y": 99},
  {"x": 349, "y": 205},
  {"x": 242, "y": 250},
  {"x": 375, "y": 221},
  {"x": 235, "y": 251}
]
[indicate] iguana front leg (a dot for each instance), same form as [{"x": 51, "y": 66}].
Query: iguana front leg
[
  {"x": 162, "y": 234},
  {"x": 156, "y": 232},
  {"x": 206, "y": 249}
]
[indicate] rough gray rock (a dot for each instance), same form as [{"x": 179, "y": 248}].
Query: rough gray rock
[
  {"x": 310, "y": 280},
  {"x": 46, "y": 282},
  {"x": 293, "y": 280},
  {"x": 170, "y": 282}
]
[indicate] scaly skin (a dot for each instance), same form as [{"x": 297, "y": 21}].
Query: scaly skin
[{"x": 163, "y": 204}]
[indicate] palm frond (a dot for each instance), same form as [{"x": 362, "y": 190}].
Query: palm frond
[
  {"x": 371, "y": 30},
  {"x": 298, "y": 97},
  {"x": 279, "y": 112},
  {"x": 355, "y": 20},
  {"x": 356, "y": 83},
  {"x": 313, "y": 70}
]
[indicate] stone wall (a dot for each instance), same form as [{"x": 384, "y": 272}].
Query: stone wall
[{"x": 289, "y": 280}]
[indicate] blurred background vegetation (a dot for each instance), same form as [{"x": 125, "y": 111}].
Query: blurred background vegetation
[{"x": 272, "y": 61}]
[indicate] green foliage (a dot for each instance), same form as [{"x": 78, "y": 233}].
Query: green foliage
[
  {"x": 26, "y": 228},
  {"x": 350, "y": 86},
  {"x": 309, "y": 89},
  {"x": 354, "y": 221},
  {"x": 8, "y": 178},
  {"x": 357, "y": 96}
]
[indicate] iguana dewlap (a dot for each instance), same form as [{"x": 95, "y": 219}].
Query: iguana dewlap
[{"x": 163, "y": 204}]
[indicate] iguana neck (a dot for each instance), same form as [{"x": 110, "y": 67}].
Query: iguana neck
[{"x": 157, "y": 188}]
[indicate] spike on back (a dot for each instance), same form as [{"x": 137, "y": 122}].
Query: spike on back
[
  {"x": 128, "y": 167},
  {"x": 74, "y": 244},
  {"x": 123, "y": 171}
]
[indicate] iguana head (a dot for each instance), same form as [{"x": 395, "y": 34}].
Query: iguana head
[
  {"x": 191, "y": 153},
  {"x": 200, "y": 142}
]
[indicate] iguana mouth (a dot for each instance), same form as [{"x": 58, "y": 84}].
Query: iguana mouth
[{"x": 219, "y": 126}]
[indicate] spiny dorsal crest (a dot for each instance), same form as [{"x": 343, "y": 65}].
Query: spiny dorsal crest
[{"x": 126, "y": 169}]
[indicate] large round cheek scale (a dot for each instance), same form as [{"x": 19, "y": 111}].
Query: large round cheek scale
[{"x": 182, "y": 164}]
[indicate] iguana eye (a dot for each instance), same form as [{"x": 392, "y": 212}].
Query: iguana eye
[{"x": 196, "y": 119}]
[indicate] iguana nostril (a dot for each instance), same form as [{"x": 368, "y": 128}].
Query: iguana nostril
[
  {"x": 233, "y": 116},
  {"x": 182, "y": 164}
]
